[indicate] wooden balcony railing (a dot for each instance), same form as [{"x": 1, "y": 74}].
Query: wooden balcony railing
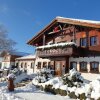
[{"x": 58, "y": 51}]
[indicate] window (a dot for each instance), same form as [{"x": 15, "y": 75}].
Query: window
[
  {"x": 21, "y": 65},
  {"x": 39, "y": 65},
  {"x": 25, "y": 65},
  {"x": 44, "y": 64},
  {"x": 83, "y": 42},
  {"x": 83, "y": 66},
  {"x": 17, "y": 64},
  {"x": 94, "y": 66},
  {"x": 73, "y": 65},
  {"x": 93, "y": 40},
  {"x": 32, "y": 64}
]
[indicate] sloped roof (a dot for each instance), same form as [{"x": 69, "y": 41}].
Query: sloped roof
[
  {"x": 81, "y": 22},
  {"x": 26, "y": 57}
]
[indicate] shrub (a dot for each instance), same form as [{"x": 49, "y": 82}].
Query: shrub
[
  {"x": 63, "y": 92},
  {"x": 72, "y": 95},
  {"x": 53, "y": 91},
  {"x": 48, "y": 88},
  {"x": 72, "y": 77},
  {"x": 98, "y": 99},
  {"x": 70, "y": 83},
  {"x": 57, "y": 91},
  {"x": 82, "y": 96}
]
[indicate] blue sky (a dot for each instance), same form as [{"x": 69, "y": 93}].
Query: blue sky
[{"x": 24, "y": 18}]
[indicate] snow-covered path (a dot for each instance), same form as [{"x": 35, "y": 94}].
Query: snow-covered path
[
  {"x": 38, "y": 95},
  {"x": 29, "y": 92}
]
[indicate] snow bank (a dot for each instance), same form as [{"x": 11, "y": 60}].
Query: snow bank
[
  {"x": 95, "y": 85},
  {"x": 21, "y": 77}
]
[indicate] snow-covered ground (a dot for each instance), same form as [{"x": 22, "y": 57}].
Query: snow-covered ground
[
  {"x": 28, "y": 92},
  {"x": 87, "y": 76}
]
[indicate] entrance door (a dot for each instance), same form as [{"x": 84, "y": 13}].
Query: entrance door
[{"x": 60, "y": 67}]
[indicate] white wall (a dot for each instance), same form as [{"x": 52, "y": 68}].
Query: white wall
[
  {"x": 40, "y": 60},
  {"x": 87, "y": 59},
  {"x": 8, "y": 64},
  {"x": 28, "y": 67}
]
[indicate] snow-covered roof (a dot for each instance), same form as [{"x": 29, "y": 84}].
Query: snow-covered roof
[
  {"x": 57, "y": 45},
  {"x": 80, "y": 20},
  {"x": 27, "y": 57}
]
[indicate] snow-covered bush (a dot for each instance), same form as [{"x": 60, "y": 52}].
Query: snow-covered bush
[
  {"x": 71, "y": 84},
  {"x": 73, "y": 78},
  {"x": 42, "y": 76},
  {"x": 15, "y": 71}
]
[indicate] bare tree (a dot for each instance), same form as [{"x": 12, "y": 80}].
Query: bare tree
[{"x": 6, "y": 44}]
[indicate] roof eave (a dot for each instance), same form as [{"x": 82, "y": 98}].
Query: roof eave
[{"x": 41, "y": 32}]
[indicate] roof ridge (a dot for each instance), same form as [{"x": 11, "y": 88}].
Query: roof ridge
[{"x": 81, "y": 20}]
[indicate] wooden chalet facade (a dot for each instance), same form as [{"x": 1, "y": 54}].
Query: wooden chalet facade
[{"x": 70, "y": 43}]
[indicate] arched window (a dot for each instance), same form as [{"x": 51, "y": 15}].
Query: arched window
[
  {"x": 25, "y": 65},
  {"x": 21, "y": 65},
  {"x": 17, "y": 64}
]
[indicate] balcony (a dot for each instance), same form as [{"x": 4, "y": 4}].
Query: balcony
[{"x": 60, "y": 49}]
